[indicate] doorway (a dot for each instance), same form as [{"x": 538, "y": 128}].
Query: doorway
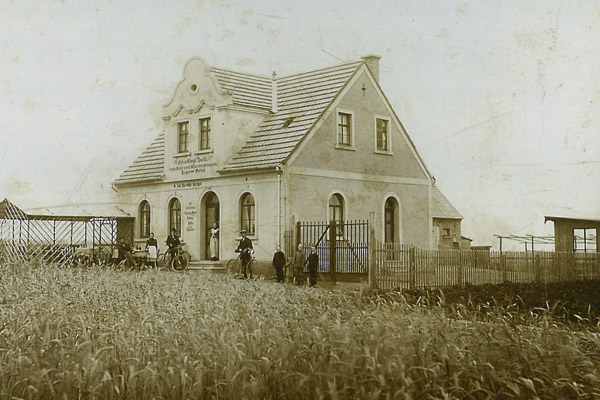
[{"x": 211, "y": 207}]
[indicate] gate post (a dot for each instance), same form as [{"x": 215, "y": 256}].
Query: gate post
[
  {"x": 298, "y": 236},
  {"x": 332, "y": 249},
  {"x": 371, "y": 264}
]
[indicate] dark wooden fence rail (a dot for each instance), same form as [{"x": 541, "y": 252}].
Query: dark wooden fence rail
[{"x": 396, "y": 266}]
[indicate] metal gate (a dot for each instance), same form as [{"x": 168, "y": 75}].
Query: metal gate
[{"x": 342, "y": 246}]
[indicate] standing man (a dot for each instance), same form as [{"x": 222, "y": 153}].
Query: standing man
[
  {"x": 313, "y": 266},
  {"x": 245, "y": 247},
  {"x": 173, "y": 243},
  {"x": 299, "y": 261},
  {"x": 279, "y": 263}
]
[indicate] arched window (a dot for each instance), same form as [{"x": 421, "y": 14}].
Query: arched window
[
  {"x": 336, "y": 208},
  {"x": 391, "y": 220},
  {"x": 144, "y": 217},
  {"x": 175, "y": 215},
  {"x": 248, "y": 213}
]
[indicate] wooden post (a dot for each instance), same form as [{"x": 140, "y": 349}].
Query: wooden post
[
  {"x": 332, "y": 249},
  {"x": 412, "y": 267},
  {"x": 372, "y": 264}
]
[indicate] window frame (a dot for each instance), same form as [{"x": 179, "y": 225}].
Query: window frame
[
  {"x": 351, "y": 135},
  {"x": 585, "y": 248},
  {"x": 250, "y": 227},
  {"x": 388, "y": 150},
  {"x": 209, "y": 139},
  {"x": 180, "y": 135},
  {"x": 331, "y": 211},
  {"x": 174, "y": 222},
  {"x": 145, "y": 218}
]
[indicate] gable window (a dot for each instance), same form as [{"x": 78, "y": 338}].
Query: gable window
[
  {"x": 183, "y": 136},
  {"x": 344, "y": 129},
  {"x": 205, "y": 134},
  {"x": 144, "y": 214},
  {"x": 248, "y": 213},
  {"x": 446, "y": 232},
  {"x": 336, "y": 207},
  {"x": 584, "y": 240},
  {"x": 382, "y": 134},
  {"x": 391, "y": 220},
  {"x": 175, "y": 216},
  {"x": 336, "y": 212}
]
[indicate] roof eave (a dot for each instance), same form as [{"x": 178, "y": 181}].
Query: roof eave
[
  {"x": 243, "y": 170},
  {"x": 118, "y": 183}
]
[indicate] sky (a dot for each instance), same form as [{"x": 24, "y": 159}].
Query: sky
[{"x": 501, "y": 98}]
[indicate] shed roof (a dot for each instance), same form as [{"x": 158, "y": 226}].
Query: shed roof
[
  {"x": 66, "y": 212},
  {"x": 441, "y": 206}
]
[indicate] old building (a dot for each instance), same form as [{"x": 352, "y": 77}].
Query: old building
[
  {"x": 446, "y": 223},
  {"x": 575, "y": 234},
  {"x": 260, "y": 153}
]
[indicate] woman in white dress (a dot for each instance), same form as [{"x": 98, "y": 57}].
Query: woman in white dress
[{"x": 214, "y": 242}]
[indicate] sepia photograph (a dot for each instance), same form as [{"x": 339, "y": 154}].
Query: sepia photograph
[{"x": 205, "y": 199}]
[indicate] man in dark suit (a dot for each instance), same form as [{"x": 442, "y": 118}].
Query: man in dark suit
[
  {"x": 173, "y": 243},
  {"x": 313, "y": 266},
  {"x": 279, "y": 263},
  {"x": 245, "y": 247}
]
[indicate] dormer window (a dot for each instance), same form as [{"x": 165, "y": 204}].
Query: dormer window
[
  {"x": 287, "y": 123},
  {"x": 205, "y": 133},
  {"x": 183, "y": 136}
]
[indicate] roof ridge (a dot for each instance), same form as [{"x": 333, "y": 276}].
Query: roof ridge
[
  {"x": 279, "y": 78},
  {"x": 322, "y": 69},
  {"x": 239, "y": 73}
]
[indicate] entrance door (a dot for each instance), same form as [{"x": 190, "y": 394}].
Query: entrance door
[{"x": 211, "y": 217}]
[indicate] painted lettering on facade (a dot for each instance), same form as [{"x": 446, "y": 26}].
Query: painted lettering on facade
[
  {"x": 190, "y": 217},
  {"x": 190, "y": 165},
  {"x": 183, "y": 185}
]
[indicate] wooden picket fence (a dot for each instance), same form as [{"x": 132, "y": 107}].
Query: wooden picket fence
[{"x": 396, "y": 266}]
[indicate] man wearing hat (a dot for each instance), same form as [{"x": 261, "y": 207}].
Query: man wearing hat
[
  {"x": 173, "y": 243},
  {"x": 245, "y": 247}
]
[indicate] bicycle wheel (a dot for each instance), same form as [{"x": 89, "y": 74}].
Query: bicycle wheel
[
  {"x": 161, "y": 261},
  {"x": 179, "y": 263},
  {"x": 234, "y": 267},
  {"x": 250, "y": 269},
  {"x": 82, "y": 260}
]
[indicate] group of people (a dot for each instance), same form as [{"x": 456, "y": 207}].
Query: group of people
[
  {"x": 125, "y": 251},
  {"x": 295, "y": 272}
]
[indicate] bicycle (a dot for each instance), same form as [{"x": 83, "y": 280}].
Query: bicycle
[
  {"x": 178, "y": 263},
  {"x": 234, "y": 266}
]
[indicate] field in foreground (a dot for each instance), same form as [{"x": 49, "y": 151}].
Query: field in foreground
[{"x": 70, "y": 333}]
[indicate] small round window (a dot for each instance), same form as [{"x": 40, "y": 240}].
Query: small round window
[{"x": 194, "y": 87}]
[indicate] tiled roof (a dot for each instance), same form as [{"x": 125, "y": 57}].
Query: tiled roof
[
  {"x": 247, "y": 90},
  {"x": 149, "y": 166},
  {"x": 441, "y": 207},
  {"x": 301, "y": 99}
]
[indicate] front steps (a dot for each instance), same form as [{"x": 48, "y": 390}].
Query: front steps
[{"x": 207, "y": 265}]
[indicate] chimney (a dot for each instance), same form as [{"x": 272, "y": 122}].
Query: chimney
[
  {"x": 372, "y": 62},
  {"x": 274, "y": 93}
]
